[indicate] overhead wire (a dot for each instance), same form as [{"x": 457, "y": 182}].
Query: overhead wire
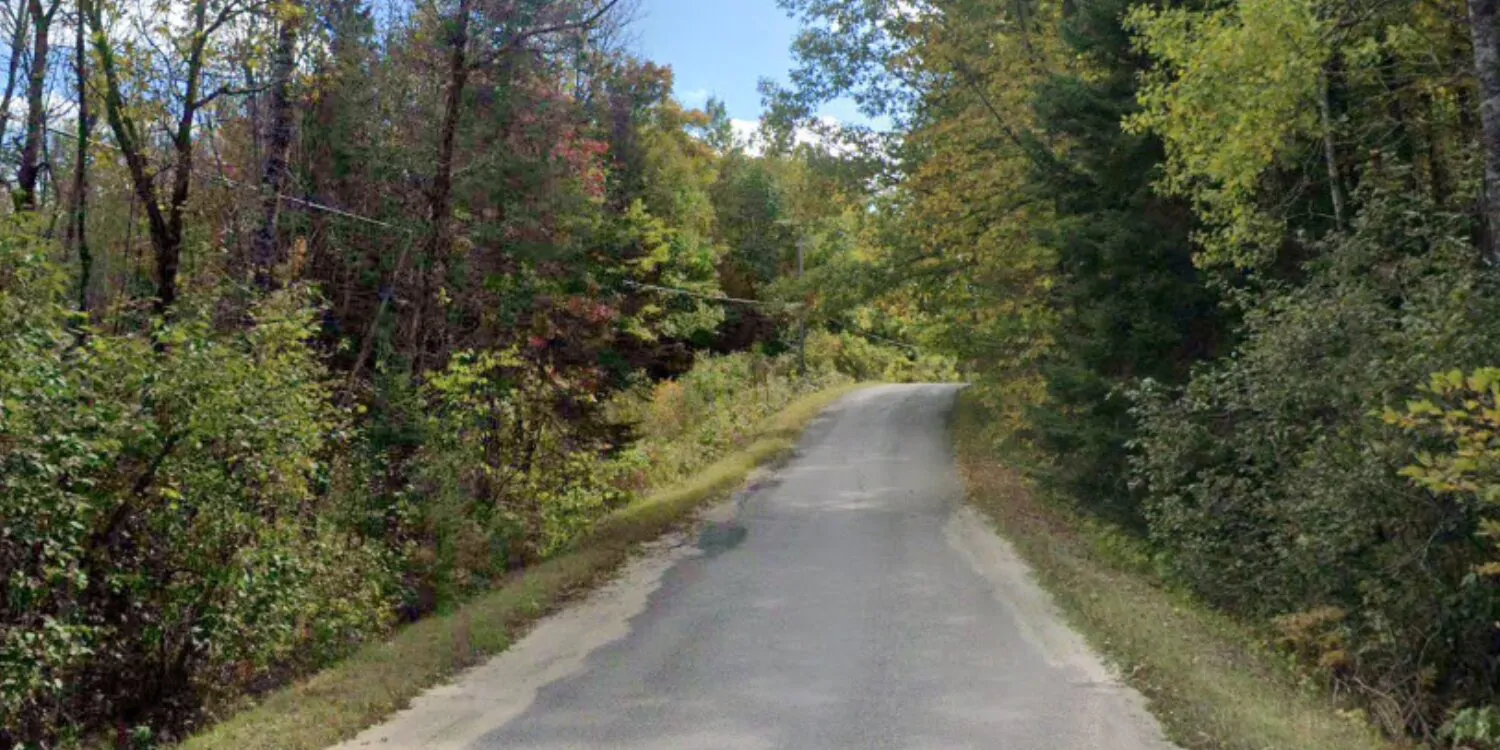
[{"x": 401, "y": 261}]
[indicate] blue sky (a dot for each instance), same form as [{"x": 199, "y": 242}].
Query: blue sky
[{"x": 722, "y": 48}]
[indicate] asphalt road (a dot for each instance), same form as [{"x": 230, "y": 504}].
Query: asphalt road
[{"x": 849, "y": 601}]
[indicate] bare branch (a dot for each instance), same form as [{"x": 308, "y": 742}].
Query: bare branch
[{"x": 227, "y": 90}]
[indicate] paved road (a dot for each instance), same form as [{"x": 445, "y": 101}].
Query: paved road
[{"x": 850, "y": 602}]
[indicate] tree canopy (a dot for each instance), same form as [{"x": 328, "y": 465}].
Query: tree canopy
[{"x": 1202, "y": 262}]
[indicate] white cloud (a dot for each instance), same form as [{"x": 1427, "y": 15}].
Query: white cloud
[
  {"x": 748, "y": 134},
  {"x": 694, "y": 98}
]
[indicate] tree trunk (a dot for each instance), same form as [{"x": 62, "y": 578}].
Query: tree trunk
[
  {"x": 19, "y": 44},
  {"x": 1330, "y": 153},
  {"x": 440, "y": 239},
  {"x": 77, "y": 234},
  {"x": 263, "y": 253},
  {"x": 458, "y": 78},
  {"x": 1482, "y": 18},
  {"x": 165, "y": 224},
  {"x": 36, "y": 107}
]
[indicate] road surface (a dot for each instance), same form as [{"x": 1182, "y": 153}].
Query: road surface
[{"x": 848, "y": 601}]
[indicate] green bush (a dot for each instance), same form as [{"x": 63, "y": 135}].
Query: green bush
[
  {"x": 1460, "y": 416},
  {"x": 1275, "y": 489},
  {"x": 684, "y": 424},
  {"x": 501, "y": 480},
  {"x": 862, "y": 359},
  {"x": 1457, "y": 422},
  {"x": 164, "y": 539},
  {"x": 1475, "y": 728}
]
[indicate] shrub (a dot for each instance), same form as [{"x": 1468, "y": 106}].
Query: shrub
[
  {"x": 1457, "y": 423},
  {"x": 502, "y": 479},
  {"x": 686, "y": 423},
  {"x": 1461, "y": 418},
  {"x": 859, "y": 358},
  {"x": 1274, "y": 490},
  {"x": 164, "y": 538}
]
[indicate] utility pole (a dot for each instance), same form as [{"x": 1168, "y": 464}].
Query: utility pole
[{"x": 802, "y": 336}]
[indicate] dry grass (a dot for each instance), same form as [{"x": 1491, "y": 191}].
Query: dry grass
[
  {"x": 381, "y": 678},
  {"x": 1207, "y": 677}
]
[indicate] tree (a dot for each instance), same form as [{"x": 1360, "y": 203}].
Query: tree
[
  {"x": 519, "y": 25},
  {"x": 36, "y": 103},
  {"x": 77, "y": 229},
  {"x": 18, "y": 18},
  {"x": 165, "y": 219},
  {"x": 1131, "y": 304},
  {"x": 1484, "y": 25},
  {"x": 278, "y": 140}
]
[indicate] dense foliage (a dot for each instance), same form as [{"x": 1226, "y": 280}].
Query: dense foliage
[
  {"x": 318, "y": 316},
  {"x": 1204, "y": 259}
]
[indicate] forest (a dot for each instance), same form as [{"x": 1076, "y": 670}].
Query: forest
[
  {"x": 319, "y": 316},
  {"x": 1224, "y": 273}
]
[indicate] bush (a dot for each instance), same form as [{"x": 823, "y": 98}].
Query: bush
[
  {"x": 859, "y": 358},
  {"x": 1457, "y": 421},
  {"x": 501, "y": 480},
  {"x": 165, "y": 541},
  {"x": 1276, "y": 492},
  {"x": 684, "y": 424}
]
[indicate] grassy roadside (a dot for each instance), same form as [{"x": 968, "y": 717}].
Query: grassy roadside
[
  {"x": 1207, "y": 678},
  {"x": 380, "y": 678}
]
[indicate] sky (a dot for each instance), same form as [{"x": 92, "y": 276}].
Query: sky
[{"x": 723, "y": 48}]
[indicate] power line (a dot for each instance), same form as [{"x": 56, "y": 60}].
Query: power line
[
  {"x": 314, "y": 205},
  {"x": 892, "y": 342}
]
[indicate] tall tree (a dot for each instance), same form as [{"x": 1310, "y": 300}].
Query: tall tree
[
  {"x": 1131, "y": 306},
  {"x": 76, "y": 233},
  {"x": 517, "y": 25},
  {"x": 1484, "y": 15},
  {"x": 273, "y": 179},
  {"x": 31, "y": 166},
  {"x": 440, "y": 201},
  {"x": 19, "y": 46},
  {"x": 164, "y": 219}
]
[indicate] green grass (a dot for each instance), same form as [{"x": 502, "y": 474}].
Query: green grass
[
  {"x": 1208, "y": 678},
  {"x": 381, "y": 678}
]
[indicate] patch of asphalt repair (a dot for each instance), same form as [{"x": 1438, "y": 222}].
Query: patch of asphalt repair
[{"x": 848, "y": 599}]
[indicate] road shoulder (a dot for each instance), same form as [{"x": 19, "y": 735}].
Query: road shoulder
[
  {"x": 383, "y": 678},
  {"x": 1207, "y": 679}
]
